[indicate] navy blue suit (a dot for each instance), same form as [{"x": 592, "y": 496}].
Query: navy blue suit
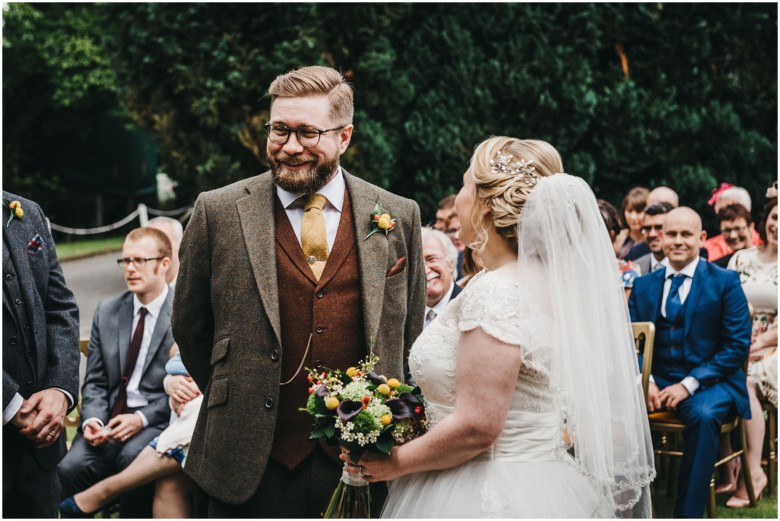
[{"x": 715, "y": 342}]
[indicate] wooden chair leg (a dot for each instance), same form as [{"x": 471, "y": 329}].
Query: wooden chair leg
[
  {"x": 770, "y": 436},
  {"x": 747, "y": 476}
]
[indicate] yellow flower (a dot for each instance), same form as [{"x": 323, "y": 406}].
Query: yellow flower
[
  {"x": 393, "y": 383},
  {"x": 331, "y": 402},
  {"x": 14, "y": 204},
  {"x": 385, "y": 216},
  {"x": 383, "y": 389},
  {"x": 383, "y": 223},
  {"x": 386, "y": 419},
  {"x": 352, "y": 372},
  {"x": 19, "y": 212}
]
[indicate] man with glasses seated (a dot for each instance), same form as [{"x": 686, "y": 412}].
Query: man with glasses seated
[
  {"x": 736, "y": 227},
  {"x": 652, "y": 230},
  {"x": 124, "y": 405}
]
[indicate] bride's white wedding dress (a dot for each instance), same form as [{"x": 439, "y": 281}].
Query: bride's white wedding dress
[{"x": 527, "y": 471}]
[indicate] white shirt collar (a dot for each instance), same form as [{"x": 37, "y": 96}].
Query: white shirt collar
[
  {"x": 653, "y": 262},
  {"x": 154, "y": 306},
  {"x": 333, "y": 192},
  {"x": 689, "y": 269}
]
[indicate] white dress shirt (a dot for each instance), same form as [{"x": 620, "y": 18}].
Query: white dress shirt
[
  {"x": 294, "y": 205},
  {"x": 690, "y": 383},
  {"x": 654, "y": 263},
  {"x": 439, "y": 307}
]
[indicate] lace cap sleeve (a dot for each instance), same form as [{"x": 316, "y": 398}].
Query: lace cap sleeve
[{"x": 499, "y": 306}]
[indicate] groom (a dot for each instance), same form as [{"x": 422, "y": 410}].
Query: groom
[{"x": 278, "y": 273}]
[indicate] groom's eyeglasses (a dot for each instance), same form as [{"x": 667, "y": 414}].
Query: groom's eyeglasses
[{"x": 307, "y": 136}]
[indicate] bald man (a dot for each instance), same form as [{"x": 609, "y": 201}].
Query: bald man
[
  {"x": 702, "y": 341},
  {"x": 663, "y": 194}
]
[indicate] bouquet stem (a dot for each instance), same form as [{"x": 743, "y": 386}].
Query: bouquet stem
[{"x": 351, "y": 499}]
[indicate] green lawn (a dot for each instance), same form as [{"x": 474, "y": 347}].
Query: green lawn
[{"x": 86, "y": 247}]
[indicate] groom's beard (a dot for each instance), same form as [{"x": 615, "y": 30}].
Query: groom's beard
[{"x": 308, "y": 180}]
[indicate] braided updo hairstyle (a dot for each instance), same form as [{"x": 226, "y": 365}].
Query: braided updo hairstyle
[{"x": 505, "y": 195}]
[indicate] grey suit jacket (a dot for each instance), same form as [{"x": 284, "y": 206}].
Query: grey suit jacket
[
  {"x": 644, "y": 263},
  {"x": 108, "y": 346},
  {"x": 51, "y": 309},
  {"x": 226, "y": 318}
]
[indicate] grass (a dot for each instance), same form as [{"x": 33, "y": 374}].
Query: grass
[
  {"x": 86, "y": 247},
  {"x": 664, "y": 506}
]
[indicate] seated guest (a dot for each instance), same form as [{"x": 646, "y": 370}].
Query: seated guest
[
  {"x": 444, "y": 211},
  {"x": 701, "y": 344},
  {"x": 736, "y": 227},
  {"x": 612, "y": 221},
  {"x": 631, "y": 212},
  {"x": 440, "y": 257},
  {"x": 162, "y": 460},
  {"x": 661, "y": 195},
  {"x": 124, "y": 405},
  {"x": 652, "y": 230},
  {"x": 757, "y": 268},
  {"x": 174, "y": 231},
  {"x": 727, "y": 194}
]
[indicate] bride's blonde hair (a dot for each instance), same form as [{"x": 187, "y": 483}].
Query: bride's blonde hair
[{"x": 505, "y": 190}]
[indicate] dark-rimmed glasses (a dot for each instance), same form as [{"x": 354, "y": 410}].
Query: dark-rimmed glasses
[
  {"x": 307, "y": 136},
  {"x": 139, "y": 262}
]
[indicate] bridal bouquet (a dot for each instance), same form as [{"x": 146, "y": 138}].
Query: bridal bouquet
[{"x": 361, "y": 410}]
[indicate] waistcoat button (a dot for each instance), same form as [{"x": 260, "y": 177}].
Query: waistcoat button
[
  {"x": 319, "y": 329},
  {"x": 269, "y": 403}
]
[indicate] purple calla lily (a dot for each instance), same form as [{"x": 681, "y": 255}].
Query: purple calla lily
[
  {"x": 375, "y": 378},
  {"x": 399, "y": 409},
  {"x": 322, "y": 390},
  {"x": 348, "y": 409}
]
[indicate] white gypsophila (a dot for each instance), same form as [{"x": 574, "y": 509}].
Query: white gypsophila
[
  {"x": 377, "y": 409},
  {"x": 360, "y": 438},
  {"x": 355, "y": 390}
]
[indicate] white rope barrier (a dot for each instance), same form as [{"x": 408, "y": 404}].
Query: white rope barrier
[{"x": 140, "y": 212}]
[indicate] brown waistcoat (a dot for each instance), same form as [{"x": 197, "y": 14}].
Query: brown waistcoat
[{"x": 330, "y": 310}]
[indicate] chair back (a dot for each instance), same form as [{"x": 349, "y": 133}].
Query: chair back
[{"x": 644, "y": 338}]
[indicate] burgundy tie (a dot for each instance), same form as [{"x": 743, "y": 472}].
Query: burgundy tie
[{"x": 120, "y": 405}]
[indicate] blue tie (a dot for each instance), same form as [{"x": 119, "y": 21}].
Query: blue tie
[{"x": 673, "y": 304}]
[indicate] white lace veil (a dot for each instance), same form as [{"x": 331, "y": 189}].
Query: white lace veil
[{"x": 567, "y": 261}]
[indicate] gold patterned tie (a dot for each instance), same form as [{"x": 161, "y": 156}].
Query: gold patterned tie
[{"x": 314, "y": 236}]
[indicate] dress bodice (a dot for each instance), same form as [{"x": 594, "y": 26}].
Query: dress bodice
[{"x": 495, "y": 302}]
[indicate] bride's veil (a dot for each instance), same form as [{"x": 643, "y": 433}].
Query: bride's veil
[{"x": 567, "y": 261}]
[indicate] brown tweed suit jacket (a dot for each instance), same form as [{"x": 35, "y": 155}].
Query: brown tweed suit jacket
[{"x": 226, "y": 318}]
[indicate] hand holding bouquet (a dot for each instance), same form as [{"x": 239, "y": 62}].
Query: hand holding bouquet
[{"x": 361, "y": 410}]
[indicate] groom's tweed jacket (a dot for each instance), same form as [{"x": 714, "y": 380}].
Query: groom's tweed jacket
[{"x": 228, "y": 324}]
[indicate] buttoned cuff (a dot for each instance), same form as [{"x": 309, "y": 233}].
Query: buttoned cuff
[
  {"x": 71, "y": 401},
  {"x": 690, "y": 383},
  {"x": 143, "y": 418},
  {"x": 93, "y": 419},
  {"x": 9, "y": 412}
]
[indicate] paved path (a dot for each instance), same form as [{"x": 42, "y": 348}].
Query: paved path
[{"x": 92, "y": 279}]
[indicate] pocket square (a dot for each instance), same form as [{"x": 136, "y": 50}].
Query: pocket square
[
  {"x": 35, "y": 245},
  {"x": 398, "y": 267}
]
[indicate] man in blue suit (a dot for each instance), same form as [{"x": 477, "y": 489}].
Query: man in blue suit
[{"x": 702, "y": 341}]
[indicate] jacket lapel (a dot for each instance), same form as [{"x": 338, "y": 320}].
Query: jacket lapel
[
  {"x": 372, "y": 253},
  {"x": 656, "y": 294},
  {"x": 256, "y": 213},
  {"x": 161, "y": 327},
  {"x": 697, "y": 285}
]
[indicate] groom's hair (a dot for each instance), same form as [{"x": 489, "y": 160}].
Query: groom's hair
[{"x": 317, "y": 81}]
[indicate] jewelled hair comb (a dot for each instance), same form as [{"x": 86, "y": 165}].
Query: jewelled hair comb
[{"x": 522, "y": 170}]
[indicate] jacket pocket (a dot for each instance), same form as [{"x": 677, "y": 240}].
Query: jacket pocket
[
  {"x": 220, "y": 350},
  {"x": 219, "y": 392}
]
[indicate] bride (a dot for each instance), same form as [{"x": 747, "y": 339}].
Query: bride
[{"x": 532, "y": 390}]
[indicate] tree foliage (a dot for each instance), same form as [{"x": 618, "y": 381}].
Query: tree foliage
[{"x": 631, "y": 94}]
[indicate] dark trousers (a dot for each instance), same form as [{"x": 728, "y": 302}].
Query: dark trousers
[
  {"x": 703, "y": 414},
  {"x": 85, "y": 465},
  {"x": 303, "y": 492},
  {"x": 28, "y": 490}
]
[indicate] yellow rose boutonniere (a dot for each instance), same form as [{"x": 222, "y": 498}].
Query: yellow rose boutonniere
[
  {"x": 381, "y": 221},
  {"x": 16, "y": 210}
]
